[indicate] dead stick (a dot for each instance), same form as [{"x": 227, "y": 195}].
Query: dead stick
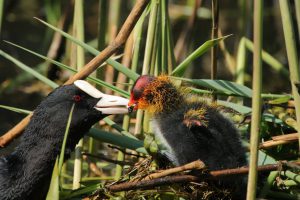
[
  {"x": 91, "y": 66},
  {"x": 291, "y": 136},
  {"x": 144, "y": 184},
  {"x": 243, "y": 170},
  {"x": 278, "y": 140},
  {"x": 115, "y": 45},
  {"x": 15, "y": 131},
  {"x": 272, "y": 143},
  {"x": 198, "y": 164}
]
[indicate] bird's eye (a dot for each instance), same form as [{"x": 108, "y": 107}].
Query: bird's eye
[{"x": 77, "y": 98}]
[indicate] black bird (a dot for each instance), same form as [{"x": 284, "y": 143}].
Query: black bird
[
  {"x": 189, "y": 128},
  {"x": 26, "y": 173}
]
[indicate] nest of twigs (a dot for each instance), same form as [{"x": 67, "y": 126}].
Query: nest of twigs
[{"x": 145, "y": 181}]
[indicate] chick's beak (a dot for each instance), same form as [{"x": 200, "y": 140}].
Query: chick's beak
[
  {"x": 110, "y": 104},
  {"x": 132, "y": 106}
]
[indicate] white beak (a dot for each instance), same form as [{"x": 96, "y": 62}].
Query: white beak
[{"x": 108, "y": 104}]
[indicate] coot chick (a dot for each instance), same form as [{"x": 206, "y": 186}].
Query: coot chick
[{"x": 190, "y": 128}]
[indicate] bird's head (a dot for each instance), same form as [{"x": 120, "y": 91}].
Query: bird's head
[
  {"x": 49, "y": 120},
  {"x": 154, "y": 94},
  {"x": 90, "y": 104},
  {"x": 106, "y": 104},
  {"x": 138, "y": 93}
]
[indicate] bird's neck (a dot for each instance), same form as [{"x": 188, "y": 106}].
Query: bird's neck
[{"x": 44, "y": 133}]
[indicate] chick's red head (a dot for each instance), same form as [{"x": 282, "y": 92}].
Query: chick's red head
[
  {"x": 154, "y": 94},
  {"x": 137, "y": 93}
]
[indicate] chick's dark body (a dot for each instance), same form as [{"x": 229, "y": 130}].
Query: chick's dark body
[
  {"x": 216, "y": 143},
  {"x": 26, "y": 173}
]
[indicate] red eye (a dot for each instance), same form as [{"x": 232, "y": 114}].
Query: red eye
[{"x": 77, "y": 98}]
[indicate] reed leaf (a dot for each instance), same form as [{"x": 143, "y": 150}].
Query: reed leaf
[
  {"x": 237, "y": 107},
  {"x": 118, "y": 66},
  {"x": 221, "y": 86},
  {"x": 53, "y": 192},
  {"x": 181, "y": 68},
  {"x": 119, "y": 140},
  {"x": 62, "y": 152},
  {"x": 17, "y": 110},
  {"x": 268, "y": 58},
  {"x": 63, "y": 66},
  {"x": 70, "y": 194},
  {"x": 29, "y": 70}
]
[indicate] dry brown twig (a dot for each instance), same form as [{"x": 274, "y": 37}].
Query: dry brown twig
[
  {"x": 126, "y": 60},
  {"x": 93, "y": 168},
  {"x": 198, "y": 164},
  {"x": 91, "y": 66},
  {"x": 115, "y": 45},
  {"x": 278, "y": 140}
]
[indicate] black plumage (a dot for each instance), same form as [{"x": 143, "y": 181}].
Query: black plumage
[
  {"x": 190, "y": 128},
  {"x": 26, "y": 173},
  {"x": 216, "y": 143}
]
